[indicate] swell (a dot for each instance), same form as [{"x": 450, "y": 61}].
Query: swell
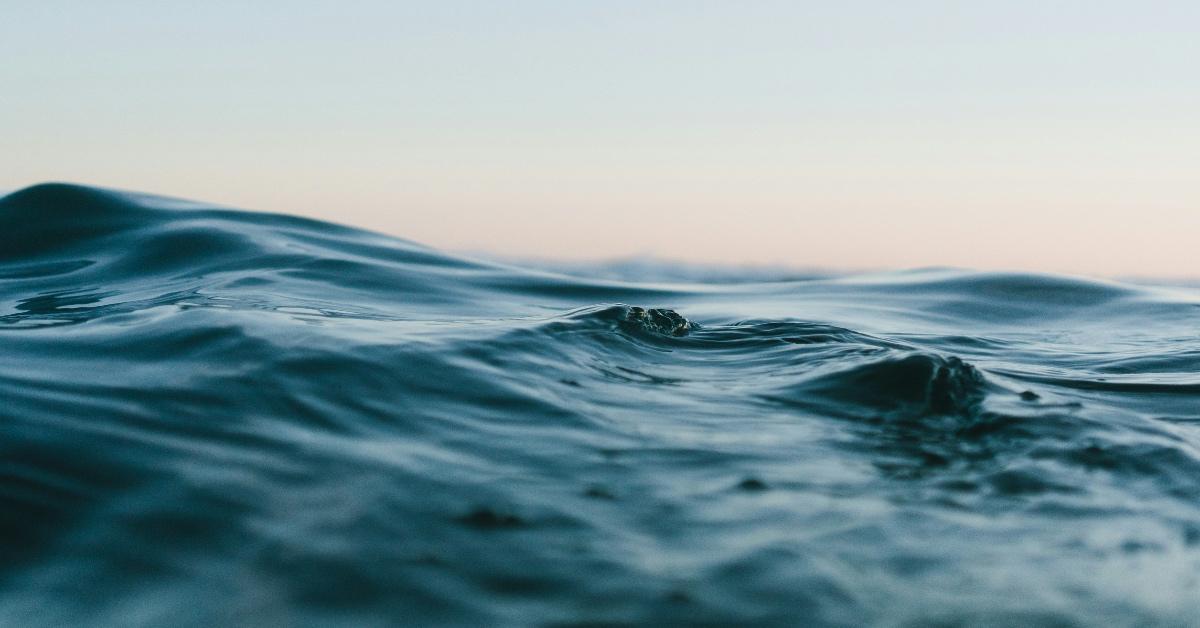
[
  {"x": 215, "y": 417},
  {"x": 68, "y": 245},
  {"x": 61, "y": 237}
]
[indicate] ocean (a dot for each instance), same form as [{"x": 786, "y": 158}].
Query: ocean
[{"x": 212, "y": 417}]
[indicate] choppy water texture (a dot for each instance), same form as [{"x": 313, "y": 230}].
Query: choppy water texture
[{"x": 211, "y": 417}]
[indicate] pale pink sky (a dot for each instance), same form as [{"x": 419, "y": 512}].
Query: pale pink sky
[{"x": 843, "y": 135}]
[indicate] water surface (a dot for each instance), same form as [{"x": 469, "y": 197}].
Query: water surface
[{"x": 211, "y": 417}]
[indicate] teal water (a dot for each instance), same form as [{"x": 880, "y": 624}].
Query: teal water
[{"x": 211, "y": 417}]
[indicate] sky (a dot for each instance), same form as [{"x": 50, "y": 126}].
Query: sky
[{"x": 1018, "y": 135}]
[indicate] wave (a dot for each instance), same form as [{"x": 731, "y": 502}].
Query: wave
[{"x": 218, "y": 416}]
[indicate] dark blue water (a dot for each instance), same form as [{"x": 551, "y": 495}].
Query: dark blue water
[{"x": 211, "y": 417}]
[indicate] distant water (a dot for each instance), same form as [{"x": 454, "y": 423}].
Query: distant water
[{"x": 213, "y": 418}]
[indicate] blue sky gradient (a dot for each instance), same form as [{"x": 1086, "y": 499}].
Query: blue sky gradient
[{"x": 1023, "y": 135}]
